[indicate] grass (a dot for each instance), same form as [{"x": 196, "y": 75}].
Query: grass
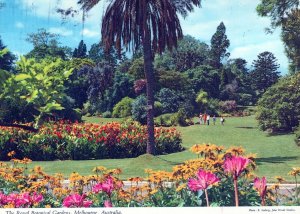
[{"x": 276, "y": 154}]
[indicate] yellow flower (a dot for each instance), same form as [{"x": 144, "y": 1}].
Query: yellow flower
[
  {"x": 280, "y": 179},
  {"x": 99, "y": 169},
  {"x": 295, "y": 171},
  {"x": 153, "y": 191},
  {"x": 47, "y": 206},
  {"x": 180, "y": 187}
]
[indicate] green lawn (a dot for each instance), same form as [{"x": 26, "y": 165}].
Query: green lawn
[{"x": 276, "y": 154}]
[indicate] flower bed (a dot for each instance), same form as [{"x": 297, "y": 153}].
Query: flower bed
[
  {"x": 80, "y": 141},
  {"x": 217, "y": 177}
]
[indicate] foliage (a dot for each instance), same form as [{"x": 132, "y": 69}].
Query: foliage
[
  {"x": 205, "y": 78},
  {"x": 123, "y": 85},
  {"x": 80, "y": 51},
  {"x": 169, "y": 99},
  {"x": 265, "y": 72},
  {"x": 297, "y": 136},
  {"x": 39, "y": 84},
  {"x": 45, "y": 44},
  {"x": 137, "y": 69},
  {"x": 278, "y": 108},
  {"x": 219, "y": 44},
  {"x": 276, "y": 10},
  {"x": 166, "y": 120},
  {"x": 106, "y": 114},
  {"x": 99, "y": 78},
  {"x": 63, "y": 140},
  {"x": 173, "y": 80},
  {"x": 202, "y": 100},
  {"x": 6, "y": 58},
  {"x": 98, "y": 54},
  {"x": 78, "y": 83},
  {"x": 290, "y": 36},
  {"x": 139, "y": 109},
  {"x": 284, "y": 14},
  {"x": 189, "y": 54},
  {"x": 228, "y": 106},
  {"x": 140, "y": 86},
  {"x": 123, "y": 108}
]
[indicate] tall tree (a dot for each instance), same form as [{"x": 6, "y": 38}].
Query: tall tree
[
  {"x": 152, "y": 24},
  {"x": 219, "y": 44},
  {"x": 80, "y": 51},
  {"x": 285, "y": 14},
  {"x": 7, "y": 59},
  {"x": 291, "y": 37},
  {"x": 276, "y": 10},
  {"x": 46, "y": 44},
  {"x": 265, "y": 72}
]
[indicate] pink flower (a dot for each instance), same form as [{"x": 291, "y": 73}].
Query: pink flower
[
  {"x": 260, "y": 185},
  {"x": 76, "y": 200},
  {"x": 107, "y": 203},
  {"x": 235, "y": 165},
  {"x": 107, "y": 186},
  {"x": 203, "y": 181},
  {"x": 3, "y": 200},
  {"x": 37, "y": 198}
]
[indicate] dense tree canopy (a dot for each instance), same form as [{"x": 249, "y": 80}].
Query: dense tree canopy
[
  {"x": 265, "y": 72},
  {"x": 219, "y": 44},
  {"x": 7, "y": 58},
  {"x": 279, "y": 108},
  {"x": 46, "y": 44}
]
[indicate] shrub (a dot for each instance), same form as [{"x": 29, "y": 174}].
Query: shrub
[
  {"x": 166, "y": 120},
  {"x": 279, "y": 107},
  {"x": 158, "y": 108},
  {"x": 123, "y": 108},
  {"x": 138, "y": 111},
  {"x": 106, "y": 114},
  {"x": 79, "y": 141},
  {"x": 228, "y": 106},
  {"x": 181, "y": 117},
  {"x": 297, "y": 136}
]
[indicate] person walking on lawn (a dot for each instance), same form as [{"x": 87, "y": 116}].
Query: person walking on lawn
[
  {"x": 207, "y": 118},
  {"x": 214, "y": 119}
]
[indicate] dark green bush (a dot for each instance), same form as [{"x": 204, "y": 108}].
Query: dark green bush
[
  {"x": 138, "y": 111},
  {"x": 297, "y": 136},
  {"x": 279, "y": 107}
]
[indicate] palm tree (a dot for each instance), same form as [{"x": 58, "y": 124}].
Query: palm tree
[{"x": 152, "y": 24}]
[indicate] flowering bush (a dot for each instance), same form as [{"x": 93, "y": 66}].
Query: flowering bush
[
  {"x": 185, "y": 185},
  {"x": 63, "y": 140}
]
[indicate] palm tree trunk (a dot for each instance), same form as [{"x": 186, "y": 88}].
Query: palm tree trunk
[{"x": 149, "y": 74}]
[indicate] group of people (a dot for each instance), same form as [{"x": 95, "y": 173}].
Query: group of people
[{"x": 205, "y": 118}]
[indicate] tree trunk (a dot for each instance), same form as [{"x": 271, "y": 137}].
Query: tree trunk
[{"x": 149, "y": 74}]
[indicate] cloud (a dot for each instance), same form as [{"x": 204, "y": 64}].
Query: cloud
[
  {"x": 89, "y": 33},
  {"x": 61, "y": 31},
  {"x": 19, "y": 25}
]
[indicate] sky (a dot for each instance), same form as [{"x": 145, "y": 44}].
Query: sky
[{"x": 244, "y": 28}]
